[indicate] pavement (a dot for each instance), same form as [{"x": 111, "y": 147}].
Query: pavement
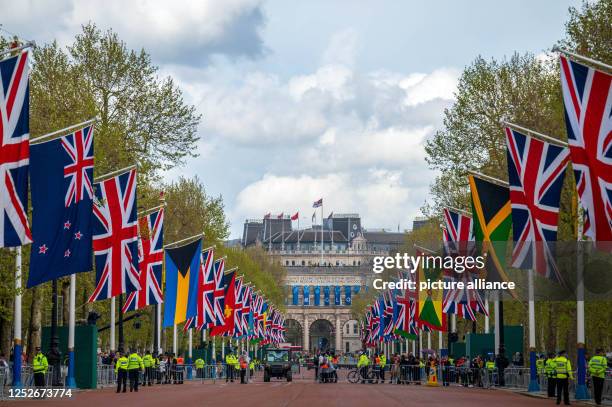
[{"x": 299, "y": 393}]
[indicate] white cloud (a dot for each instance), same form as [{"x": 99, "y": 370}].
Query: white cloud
[{"x": 181, "y": 31}]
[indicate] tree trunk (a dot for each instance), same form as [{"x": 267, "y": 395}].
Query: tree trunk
[
  {"x": 65, "y": 301},
  {"x": 34, "y": 329}
]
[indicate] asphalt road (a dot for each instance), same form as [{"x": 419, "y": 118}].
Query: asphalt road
[{"x": 299, "y": 393}]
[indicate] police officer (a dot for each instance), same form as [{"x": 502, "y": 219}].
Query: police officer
[
  {"x": 199, "y": 365},
  {"x": 597, "y": 370},
  {"x": 148, "y": 363},
  {"x": 135, "y": 366},
  {"x": 121, "y": 371},
  {"x": 540, "y": 365},
  {"x": 230, "y": 362},
  {"x": 156, "y": 372},
  {"x": 383, "y": 363},
  {"x": 563, "y": 369},
  {"x": 549, "y": 370},
  {"x": 362, "y": 365},
  {"x": 39, "y": 366},
  {"x": 490, "y": 366}
]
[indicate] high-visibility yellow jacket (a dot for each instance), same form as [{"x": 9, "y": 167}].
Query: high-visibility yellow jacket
[
  {"x": 147, "y": 360},
  {"x": 135, "y": 362},
  {"x": 540, "y": 366},
  {"x": 383, "y": 361},
  {"x": 549, "y": 368},
  {"x": 597, "y": 366},
  {"x": 363, "y": 361},
  {"x": 252, "y": 365},
  {"x": 563, "y": 367},
  {"x": 39, "y": 363},
  {"x": 199, "y": 363},
  {"x": 490, "y": 365},
  {"x": 122, "y": 364}
]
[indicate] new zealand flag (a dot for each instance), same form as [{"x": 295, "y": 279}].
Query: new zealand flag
[{"x": 62, "y": 200}]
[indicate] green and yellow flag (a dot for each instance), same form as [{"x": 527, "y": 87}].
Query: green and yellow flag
[
  {"x": 430, "y": 301},
  {"x": 492, "y": 223}
]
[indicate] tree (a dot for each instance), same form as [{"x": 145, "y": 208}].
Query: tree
[{"x": 588, "y": 31}]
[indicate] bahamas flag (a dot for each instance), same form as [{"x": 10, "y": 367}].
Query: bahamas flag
[
  {"x": 430, "y": 302},
  {"x": 182, "y": 271},
  {"x": 492, "y": 214}
]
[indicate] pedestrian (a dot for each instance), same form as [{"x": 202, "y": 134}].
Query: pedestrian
[
  {"x": 135, "y": 366},
  {"x": 244, "y": 364},
  {"x": 121, "y": 371},
  {"x": 563, "y": 369},
  {"x": 148, "y": 363},
  {"x": 597, "y": 369},
  {"x": 40, "y": 367}
]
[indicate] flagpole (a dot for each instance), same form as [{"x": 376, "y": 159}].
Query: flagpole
[
  {"x": 70, "y": 381},
  {"x": 158, "y": 328},
  {"x": 84, "y": 124},
  {"x": 497, "y": 330},
  {"x": 16, "y": 49},
  {"x": 17, "y": 323},
  {"x": 190, "y": 354},
  {"x": 321, "y": 232},
  {"x": 114, "y": 173},
  {"x": 112, "y": 325},
  {"x": 535, "y": 134},
  {"x": 187, "y": 239},
  {"x": 534, "y": 385},
  {"x": 581, "y": 58},
  {"x": 486, "y": 327},
  {"x": 581, "y": 390},
  {"x": 174, "y": 334}
]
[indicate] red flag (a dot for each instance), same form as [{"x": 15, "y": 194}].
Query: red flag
[
  {"x": 230, "y": 305},
  {"x": 267, "y": 215},
  {"x": 296, "y": 216},
  {"x": 280, "y": 216}
]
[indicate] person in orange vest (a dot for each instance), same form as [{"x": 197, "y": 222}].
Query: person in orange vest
[
  {"x": 244, "y": 364},
  {"x": 377, "y": 366}
]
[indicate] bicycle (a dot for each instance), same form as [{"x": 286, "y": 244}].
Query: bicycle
[{"x": 355, "y": 376}]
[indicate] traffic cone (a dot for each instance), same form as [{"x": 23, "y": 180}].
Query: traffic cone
[{"x": 432, "y": 377}]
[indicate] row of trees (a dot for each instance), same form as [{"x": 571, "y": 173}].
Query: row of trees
[
  {"x": 144, "y": 120},
  {"x": 523, "y": 89}
]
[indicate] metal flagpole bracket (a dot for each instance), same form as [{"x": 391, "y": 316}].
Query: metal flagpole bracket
[
  {"x": 209, "y": 248},
  {"x": 535, "y": 134},
  {"x": 59, "y": 133},
  {"x": 591, "y": 61},
  {"x": 493, "y": 180},
  {"x": 230, "y": 270},
  {"x": 114, "y": 173},
  {"x": 29, "y": 44},
  {"x": 461, "y": 211},
  {"x": 187, "y": 240}
]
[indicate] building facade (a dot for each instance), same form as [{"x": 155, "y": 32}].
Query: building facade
[{"x": 326, "y": 266}]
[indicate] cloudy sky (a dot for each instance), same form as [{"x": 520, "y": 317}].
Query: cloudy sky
[{"x": 310, "y": 99}]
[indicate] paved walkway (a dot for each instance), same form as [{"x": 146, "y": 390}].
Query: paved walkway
[{"x": 300, "y": 393}]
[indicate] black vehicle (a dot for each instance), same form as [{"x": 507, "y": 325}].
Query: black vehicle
[{"x": 277, "y": 363}]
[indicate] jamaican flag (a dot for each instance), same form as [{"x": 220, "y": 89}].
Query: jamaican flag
[
  {"x": 430, "y": 308},
  {"x": 492, "y": 222}
]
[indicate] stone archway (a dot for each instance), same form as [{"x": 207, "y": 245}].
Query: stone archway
[
  {"x": 322, "y": 335},
  {"x": 294, "y": 333}
]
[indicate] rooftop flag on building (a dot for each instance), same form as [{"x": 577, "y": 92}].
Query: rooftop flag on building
[
  {"x": 492, "y": 222},
  {"x": 14, "y": 150},
  {"x": 115, "y": 237},
  {"x": 62, "y": 202},
  {"x": 182, "y": 274},
  {"x": 295, "y": 216},
  {"x": 318, "y": 204},
  {"x": 150, "y": 259},
  {"x": 536, "y": 170},
  {"x": 587, "y": 98}
]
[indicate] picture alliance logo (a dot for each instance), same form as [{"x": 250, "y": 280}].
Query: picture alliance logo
[{"x": 404, "y": 261}]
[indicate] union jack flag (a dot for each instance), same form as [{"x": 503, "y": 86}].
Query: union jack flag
[
  {"x": 388, "y": 314},
  {"x": 80, "y": 150},
  {"x": 240, "y": 289},
  {"x": 587, "y": 97},
  {"x": 115, "y": 239},
  {"x": 536, "y": 170},
  {"x": 459, "y": 239},
  {"x": 219, "y": 294},
  {"x": 150, "y": 258},
  {"x": 206, "y": 297},
  {"x": 14, "y": 150},
  {"x": 246, "y": 309}
]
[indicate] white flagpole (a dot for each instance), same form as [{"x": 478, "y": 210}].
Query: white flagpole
[
  {"x": 213, "y": 353},
  {"x": 70, "y": 380},
  {"x": 174, "y": 334},
  {"x": 429, "y": 340},
  {"x": 159, "y": 329},
  {"x": 486, "y": 327},
  {"x": 581, "y": 389},
  {"x": 497, "y": 321},
  {"x": 112, "y": 324},
  {"x": 533, "y": 382},
  {"x": 420, "y": 344},
  {"x": 440, "y": 343},
  {"x": 321, "y": 232},
  {"x": 222, "y": 350},
  {"x": 17, "y": 349}
]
